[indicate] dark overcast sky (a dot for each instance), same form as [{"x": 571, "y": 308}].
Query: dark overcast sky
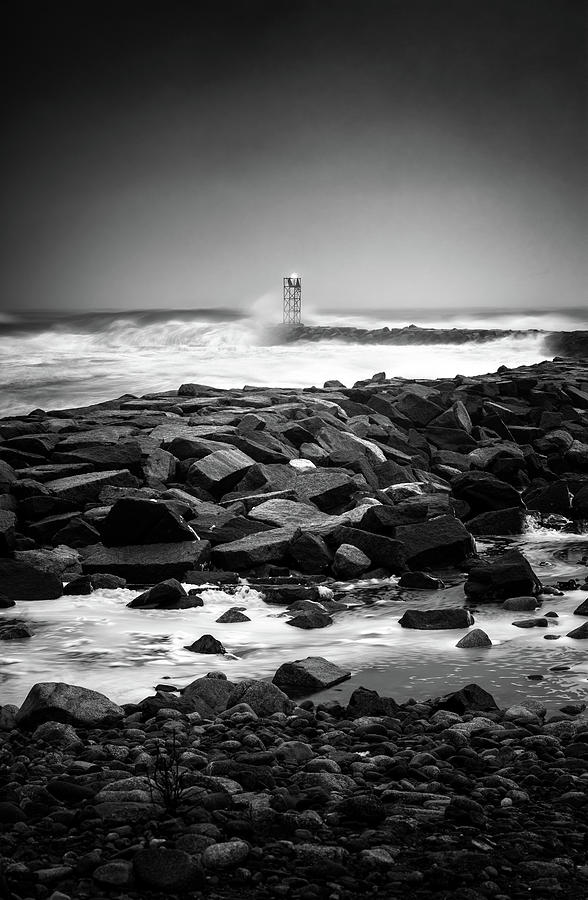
[{"x": 396, "y": 152}]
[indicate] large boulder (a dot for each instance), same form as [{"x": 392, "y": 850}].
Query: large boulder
[
  {"x": 582, "y": 609},
  {"x": 306, "y": 676},
  {"x": 381, "y": 550},
  {"x": 329, "y": 490},
  {"x": 499, "y": 521},
  {"x": 474, "y": 639},
  {"x": 148, "y": 563},
  {"x": 364, "y": 702},
  {"x": 310, "y": 553},
  {"x": 136, "y": 521},
  {"x": 85, "y": 488},
  {"x": 310, "y": 619},
  {"x": 19, "y": 581},
  {"x": 484, "y": 492},
  {"x": 254, "y": 550},
  {"x": 443, "y": 541},
  {"x": 220, "y": 471},
  {"x": 433, "y": 619},
  {"x": 554, "y": 498},
  {"x": 509, "y": 576},
  {"x": 68, "y": 703},
  {"x": 206, "y": 644}
]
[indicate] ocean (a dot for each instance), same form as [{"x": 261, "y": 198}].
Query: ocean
[{"x": 52, "y": 360}]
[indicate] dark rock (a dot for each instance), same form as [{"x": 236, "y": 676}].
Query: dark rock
[
  {"x": 167, "y": 871},
  {"x": 430, "y": 619},
  {"x": 264, "y": 697},
  {"x": 465, "y": 811},
  {"x": 555, "y": 498},
  {"x": 509, "y": 576},
  {"x": 7, "y": 477},
  {"x": 166, "y": 595},
  {"x": 309, "y": 620},
  {"x": 7, "y": 532},
  {"x": 310, "y": 553},
  {"x": 206, "y": 644},
  {"x": 208, "y": 696},
  {"x": 306, "y": 676},
  {"x": 233, "y": 615},
  {"x": 77, "y": 533},
  {"x": 484, "y": 492},
  {"x": 442, "y": 541},
  {"x": 474, "y": 638},
  {"x": 19, "y": 581},
  {"x": 383, "y": 551},
  {"x": 251, "y": 551},
  {"x": 500, "y": 521},
  {"x": 520, "y": 604},
  {"x": 580, "y": 633},
  {"x": 103, "y": 456},
  {"x": 582, "y": 609},
  {"x": 68, "y": 703},
  {"x": 471, "y": 698},
  {"x": 350, "y": 562},
  {"x": 420, "y": 581},
  {"x": 15, "y": 632},
  {"x": 531, "y": 623},
  {"x": 580, "y": 503},
  {"x": 102, "y": 580},
  {"x": 148, "y": 563},
  {"x": 6, "y": 602},
  {"x": 364, "y": 702},
  {"x": 136, "y": 521}
]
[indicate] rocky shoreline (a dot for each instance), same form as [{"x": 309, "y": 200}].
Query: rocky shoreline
[{"x": 297, "y": 491}]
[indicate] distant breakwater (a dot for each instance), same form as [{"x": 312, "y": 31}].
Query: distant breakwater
[{"x": 567, "y": 343}]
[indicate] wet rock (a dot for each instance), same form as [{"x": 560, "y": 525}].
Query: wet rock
[
  {"x": 475, "y": 638},
  {"x": 6, "y": 602},
  {"x": 68, "y": 703},
  {"x": 57, "y": 561},
  {"x": 82, "y": 585},
  {"x": 442, "y": 541},
  {"x": 555, "y": 498},
  {"x": 350, "y": 562},
  {"x": 57, "y": 734},
  {"x": 19, "y": 581},
  {"x": 206, "y": 644},
  {"x": 582, "y": 609},
  {"x": 471, "y": 698},
  {"x": 136, "y": 521},
  {"x": 509, "y": 576},
  {"x": 531, "y": 623},
  {"x": 148, "y": 563},
  {"x": 429, "y": 619},
  {"x": 166, "y": 595},
  {"x": 421, "y": 581},
  {"x": 308, "y": 620},
  {"x": 580, "y": 633},
  {"x": 233, "y": 615},
  {"x": 502, "y": 521},
  {"x": 15, "y": 632},
  {"x": 381, "y": 550},
  {"x": 520, "y": 604},
  {"x": 306, "y": 676}
]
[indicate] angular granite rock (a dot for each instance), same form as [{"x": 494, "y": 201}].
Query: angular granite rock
[
  {"x": 136, "y": 521},
  {"x": 19, "y": 581},
  {"x": 148, "y": 563}
]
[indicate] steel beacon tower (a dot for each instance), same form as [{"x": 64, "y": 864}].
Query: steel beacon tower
[{"x": 292, "y": 299}]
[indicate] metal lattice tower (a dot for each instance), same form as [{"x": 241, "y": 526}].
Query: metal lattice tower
[{"x": 292, "y": 299}]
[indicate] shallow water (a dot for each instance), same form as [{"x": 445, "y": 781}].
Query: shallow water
[{"x": 95, "y": 641}]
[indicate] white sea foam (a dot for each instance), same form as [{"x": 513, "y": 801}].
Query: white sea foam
[{"x": 74, "y": 364}]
